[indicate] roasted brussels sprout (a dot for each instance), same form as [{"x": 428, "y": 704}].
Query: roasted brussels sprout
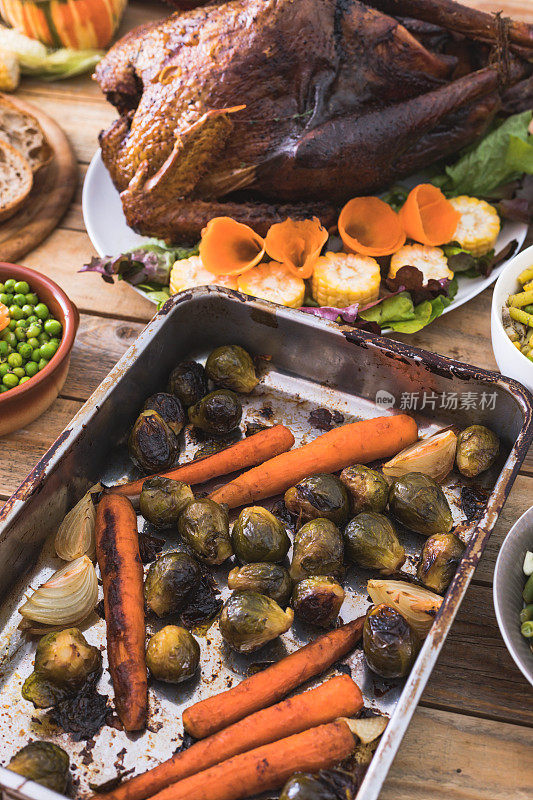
[
  {"x": 317, "y": 600},
  {"x": 173, "y": 654},
  {"x": 218, "y": 413},
  {"x": 269, "y": 579},
  {"x": 230, "y": 367},
  {"x": 305, "y": 786},
  {"x": 44, "y": 763},
  {"x": 318, "y": 550},
  {"x": 188, "y": 382},
  {"x": 319, "y": 496},
  {"x": 64, "y": 661},
  {"x": 368, "y": 489},
  {"x": 420, "y": 504},
  {"x": 249, "y": 620},
  {"x": 170, "y": 408},
  {"x": 204, "y": 526},
  {"x": 258, "y": 535},
  {"x": 168, "y": 582},
  {"x": 438, "y": 561},
  {"x": 477, "y": 448},
  {"x": 162, "y": 500},
  {"x": 152, "y": 445},
  {"x": 370, "y": 541},
  {"x": 389, "y": 643}
]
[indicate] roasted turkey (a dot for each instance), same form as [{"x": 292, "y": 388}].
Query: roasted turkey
[{"x": 263, "y": 109}]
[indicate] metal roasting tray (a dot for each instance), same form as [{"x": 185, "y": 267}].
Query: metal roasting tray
[{"x": 312, "y": 364}]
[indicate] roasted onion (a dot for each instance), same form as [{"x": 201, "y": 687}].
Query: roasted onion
[{"x": 67, "y": 597}]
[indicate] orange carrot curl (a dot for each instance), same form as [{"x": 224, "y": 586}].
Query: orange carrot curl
[
  {"x": 297, "y": 244},
  {"x": 369, "y": 226},
  {"x": 229, "y": 247},
  {"x": 427, "y": 216}
]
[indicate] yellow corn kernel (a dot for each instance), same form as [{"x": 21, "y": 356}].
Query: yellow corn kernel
[
  {"x": 479, "y": 225},
  {"x": 190, "y": 272},
  {"x": 340, "y": 279},
  {"x": 9, "y": 71},
  {"x": 431, "y": 261},
  {"x": 275, "y": 282}
]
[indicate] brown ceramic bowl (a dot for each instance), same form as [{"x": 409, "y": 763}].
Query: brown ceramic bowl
[{"x": 23, "y": 404}]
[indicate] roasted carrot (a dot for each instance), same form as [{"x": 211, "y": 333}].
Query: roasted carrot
[
  {"x": 267, "y": 767},
  {"x": 369, "y": 226},
  {"x": 117, "y": 551},
  {"x": 246, "y": 453},
  {"x": 271, "y": 684},
  {"x": 356, "y": 443},
  {"x": 337, "y": 697},
  {"x": 427, "y": 216}
]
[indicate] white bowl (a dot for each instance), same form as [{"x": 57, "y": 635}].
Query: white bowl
[{"x": 511, "y": 361}]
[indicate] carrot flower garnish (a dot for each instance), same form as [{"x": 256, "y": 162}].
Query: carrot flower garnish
[
  {"x": 229, "y": 247},
  {"x": 369, "y": 226},
  {"x": 297, "y": 244},
  {"x": 4, "y": 316},
  {"x": 427, "y": 216}
]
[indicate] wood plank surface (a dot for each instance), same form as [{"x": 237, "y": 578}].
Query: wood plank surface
[{"x": 472, "y": 736}]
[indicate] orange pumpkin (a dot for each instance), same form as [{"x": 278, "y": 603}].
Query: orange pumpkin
[{"x": 78, "y": 24}]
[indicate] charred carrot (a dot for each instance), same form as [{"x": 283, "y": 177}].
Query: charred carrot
[
  {"x": 334, "y": 698},
  {"x": 246, "y": 453},
  {"x": 271, "y": 684},
  {"x": 267, "y": 767},
  {"x": 356, "y": 443},
  {"x": 117, "y": 551}
]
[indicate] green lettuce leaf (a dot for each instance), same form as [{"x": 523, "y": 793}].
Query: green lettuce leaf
[{"x": 503, "y": 154}]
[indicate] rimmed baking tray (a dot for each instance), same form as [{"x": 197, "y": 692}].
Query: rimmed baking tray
[{"x": 309, "y": 364}]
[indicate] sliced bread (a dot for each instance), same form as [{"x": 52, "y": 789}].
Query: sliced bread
[
  {"x": 16, "y": 180},
  {"x": 22, "y": 131}
]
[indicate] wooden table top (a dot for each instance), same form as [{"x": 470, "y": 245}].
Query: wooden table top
[{"x": 471, "y": 737}]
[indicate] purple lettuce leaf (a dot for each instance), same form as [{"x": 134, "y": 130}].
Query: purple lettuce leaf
[{"x": 412, "y": 280}]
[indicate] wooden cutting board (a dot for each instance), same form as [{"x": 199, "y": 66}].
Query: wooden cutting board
[{"x": 52, "y": 191}]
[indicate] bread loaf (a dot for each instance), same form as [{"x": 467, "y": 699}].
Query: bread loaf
[{"x": 16, "y": 180}]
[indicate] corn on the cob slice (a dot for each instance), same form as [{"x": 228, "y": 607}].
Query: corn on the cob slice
[
  {"x": 431, "y": 261},
  {"x": 275, "y": 282},
  {"x": 190, "y": 272},
  {"x": 340, "y": 279},
  {"x": 479, "y": 225},
  {"x": 9, "y": 71}
]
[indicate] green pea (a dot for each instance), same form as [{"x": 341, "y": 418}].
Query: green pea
[
  {"x": 9, "y": 337},
  {"x": 25, "y": 350},
  {"x": 15, "y": 312},
  {"x": 33, "y": 342},
  {"x": 14, "y": 360},
  {"x": 10, "y": 380},
  {"x": 19, "y": 300},
  {"x": 22, "y": 323},
  {"x": 27, "y": 310},
  {"x": 22, "y": 287},
  {"x": 2, "y": 288},
  {"x": 48, "y": 350},
  {"x": 24, "y": 379},
  {"x": 43, "y": 338},
  {"x": 12, "y": 324},
  {"x": 9, "y": 299},
  {"x": 34, "y": 331},
  {"x": 526, "y": 615},
  {"x": 36, "y": 355},
  {"x": 53, "y": 327},
  {"x": 4, "y": 369},
  {"x": 32, "y": 298},
  {"x": 31, "y": 369},
  {"x": 4, "y": 349},
  {"x": 42, "y": 311},
  {"x": 4, "y": 299},
  {"x": 20, "y": 333},
  {"x": 42, "y": 363},
  {"x": 9, "y": 285},
  {"x": 33, "y": 318},
  {"x": 527, "y": 594},
  {"x": 19, "y": 372}
]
